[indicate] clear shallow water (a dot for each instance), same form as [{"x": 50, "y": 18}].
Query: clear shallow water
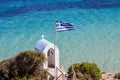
[{"x": 95, "y": 38}]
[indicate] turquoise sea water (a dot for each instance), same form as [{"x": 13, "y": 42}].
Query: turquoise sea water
[{"x": 96, "y": 37}]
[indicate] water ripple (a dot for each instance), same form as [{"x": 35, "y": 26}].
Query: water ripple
[{"x": 85, "y": 4}]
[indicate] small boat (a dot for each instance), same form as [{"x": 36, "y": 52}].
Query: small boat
[{"x": 61, "y": 26}]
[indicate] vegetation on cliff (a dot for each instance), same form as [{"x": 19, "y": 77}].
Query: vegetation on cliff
[
  {"x": 26, "y": 65},
  {"x": 84, "y": 71}
]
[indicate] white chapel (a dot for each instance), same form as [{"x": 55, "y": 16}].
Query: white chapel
[{"x": 51, "y": 53}]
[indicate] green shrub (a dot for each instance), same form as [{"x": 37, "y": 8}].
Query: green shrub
[
  {"x": 26, "y": 65},
  {"x": 4, "y": 70},
  {"x": 76, "y": 69},
  {"x": 19, "y": 78},
  {"x": 25, "y": 78},
  {"x": 90, "y": 70},
  {"x": 85, "y": 71},
  {"x": 27, "y": 62}
]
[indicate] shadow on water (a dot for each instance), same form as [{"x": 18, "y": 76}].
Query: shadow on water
[{"x": 85, "y": 4}]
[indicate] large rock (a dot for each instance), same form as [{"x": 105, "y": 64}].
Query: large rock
[{"x": 117, "y": 76}]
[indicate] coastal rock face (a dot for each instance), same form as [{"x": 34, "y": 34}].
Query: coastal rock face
[
  {"x": 109, "y": 76},
  {"x": 25, "y": 66},
  {"x": 117, "y": 76}
]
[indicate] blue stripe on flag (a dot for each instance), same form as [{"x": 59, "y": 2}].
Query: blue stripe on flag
[{"x": 63, "y": 26}]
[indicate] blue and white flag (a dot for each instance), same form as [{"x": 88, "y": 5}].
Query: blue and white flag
[{"x": 63, "y": 26}]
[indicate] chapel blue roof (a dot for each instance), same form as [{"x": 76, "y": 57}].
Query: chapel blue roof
[{"x": 41, "y": 44}]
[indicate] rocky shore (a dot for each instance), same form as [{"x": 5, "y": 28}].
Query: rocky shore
[{"x": 109, "y": 76}]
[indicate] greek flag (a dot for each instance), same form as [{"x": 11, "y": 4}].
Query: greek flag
[{"x": 64, "y": 26}]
